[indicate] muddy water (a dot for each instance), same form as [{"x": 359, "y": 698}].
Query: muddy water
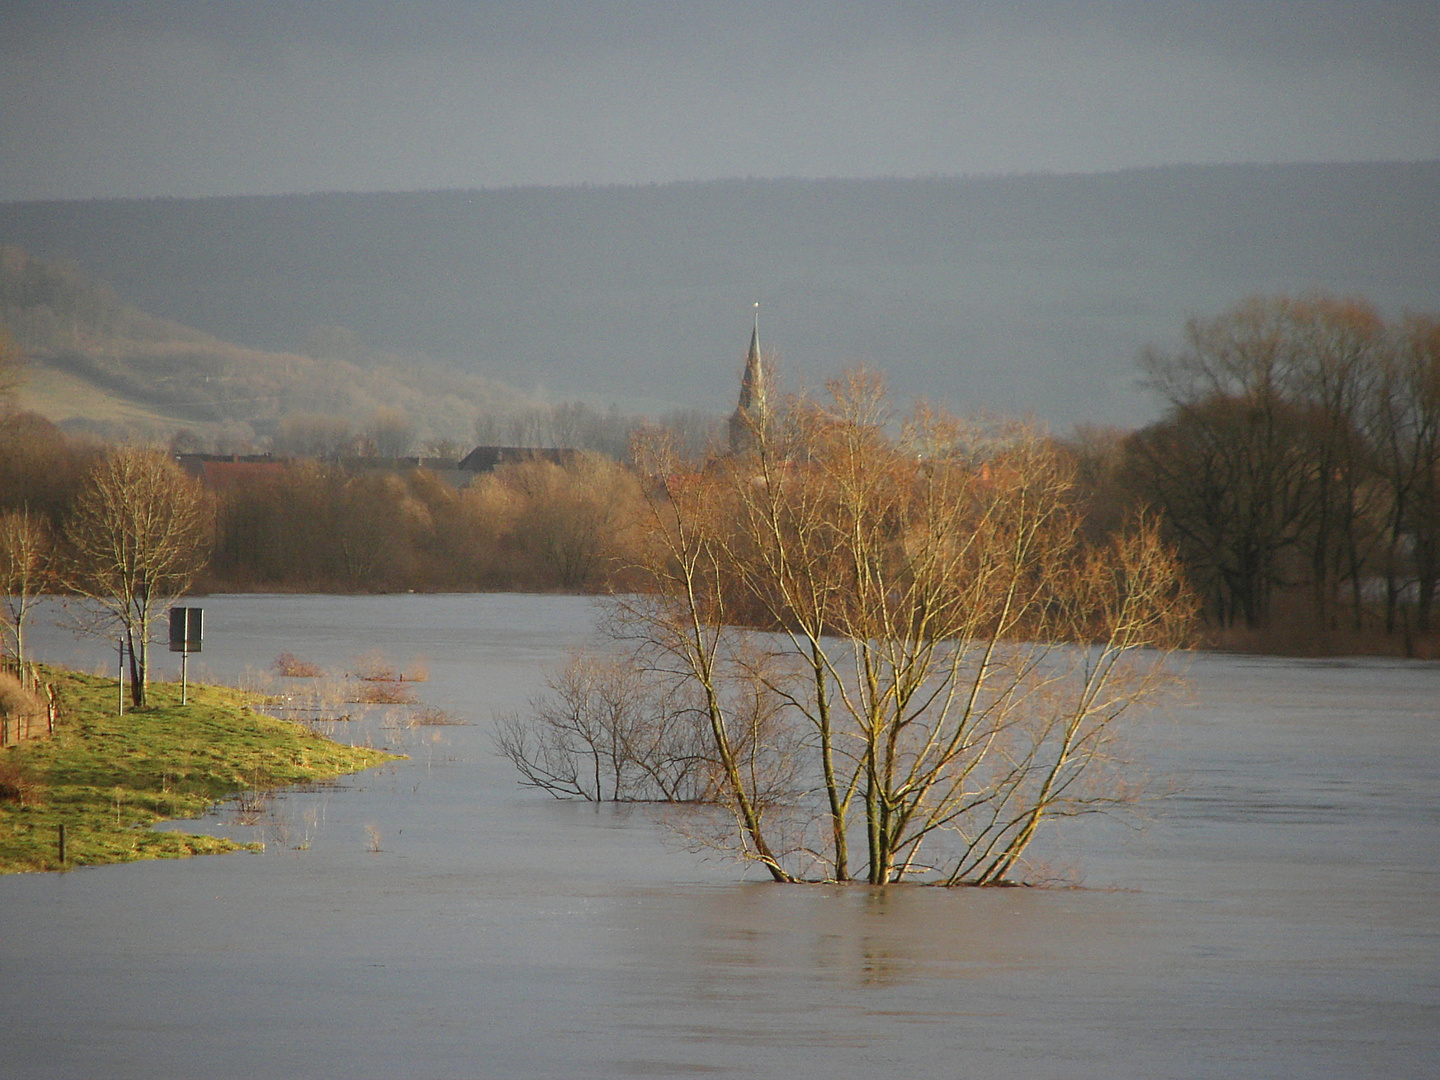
[{"x": 1278, "y": 917}]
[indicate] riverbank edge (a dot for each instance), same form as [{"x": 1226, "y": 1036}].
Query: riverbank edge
[{"x": 109, "y": 778}]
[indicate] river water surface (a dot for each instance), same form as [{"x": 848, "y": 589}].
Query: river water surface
[{"x": 1279, "y": 916}]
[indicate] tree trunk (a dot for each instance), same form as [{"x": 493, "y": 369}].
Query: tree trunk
[{"x": 139, "y": 661}]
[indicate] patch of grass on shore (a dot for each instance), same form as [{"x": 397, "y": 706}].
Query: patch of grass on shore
[{"x": 108, "y": 778}]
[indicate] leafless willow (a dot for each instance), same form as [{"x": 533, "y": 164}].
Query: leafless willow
[
  {"x": 604, "y": 732},
  {"x": 902, "y": 653}
]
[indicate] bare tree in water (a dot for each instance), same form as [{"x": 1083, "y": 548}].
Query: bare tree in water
[{"x": 901, "y": 652}]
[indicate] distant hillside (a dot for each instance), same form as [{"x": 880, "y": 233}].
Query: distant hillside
[
  {"x": 1015, "y": 293},
  {"x": 101, "y": 365}
]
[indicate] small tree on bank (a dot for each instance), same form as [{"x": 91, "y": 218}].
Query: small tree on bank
[
  {"x": 902, "y": 653},
  {"x": 139, "y": 531},
  {"x": 25, "y": 561}
]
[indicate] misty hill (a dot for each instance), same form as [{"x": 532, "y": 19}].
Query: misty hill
[
  {"x": 1012, "y": 293},
  {"x": 100, "y": 365}
]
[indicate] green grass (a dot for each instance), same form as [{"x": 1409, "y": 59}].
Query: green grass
[{"x": 108, "y": 778}]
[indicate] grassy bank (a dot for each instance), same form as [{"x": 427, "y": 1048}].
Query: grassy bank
[{"x": 108, "y": 778}]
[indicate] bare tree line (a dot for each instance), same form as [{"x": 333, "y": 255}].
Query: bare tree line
[
  {"x": 1300, "y": 455},
  {"x": 1295, "y": 471}
]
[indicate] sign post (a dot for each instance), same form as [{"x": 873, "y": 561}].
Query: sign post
[{"x": 187, "y": 631}]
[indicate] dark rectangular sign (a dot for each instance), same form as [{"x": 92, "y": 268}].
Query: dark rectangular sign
[{"x": 187, "y": 628}]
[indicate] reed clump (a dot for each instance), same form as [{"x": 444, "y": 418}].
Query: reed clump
[
  {"x": 430, "y": 716},
  {"x": 290, "y": 666},
  {"x": 383, "y": 693},
  {"x": 374, "y": 667}
]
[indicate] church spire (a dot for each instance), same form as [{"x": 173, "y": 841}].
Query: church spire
[
  {"x": 753, "y": 406},
  {"x": 752, "y": 383}
]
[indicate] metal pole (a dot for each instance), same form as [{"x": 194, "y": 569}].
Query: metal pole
[
  {"x": 184, "y": 658},
  {"x": 120, "y": 677}
]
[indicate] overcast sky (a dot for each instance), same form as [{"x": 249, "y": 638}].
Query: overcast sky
[{"x": 193, "y": 98}]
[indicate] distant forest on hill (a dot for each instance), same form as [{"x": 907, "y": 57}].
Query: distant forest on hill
[{"x": 1017, "y": 294}]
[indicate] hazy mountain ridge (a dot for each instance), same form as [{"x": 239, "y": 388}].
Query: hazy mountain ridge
[{"x": 1016, "y": 293}]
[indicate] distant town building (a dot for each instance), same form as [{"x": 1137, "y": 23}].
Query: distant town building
[
  {"x": 489, "y": 458},
  {"x": 222, "y": 471}
]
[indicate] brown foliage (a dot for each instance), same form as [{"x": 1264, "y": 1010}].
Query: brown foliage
[
  {"x": 534, "y": 525},
  {"x": 40, "y": 467},
  {"x": 567, "y": 523},
  {"x": 16, "y": 783},
  {"x": 22, "y": 714}
]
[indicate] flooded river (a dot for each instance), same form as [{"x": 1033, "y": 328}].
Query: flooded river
[{"x": 1279, "y": 916}]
